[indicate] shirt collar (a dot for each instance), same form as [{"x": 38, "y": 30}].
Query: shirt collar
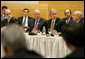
[
  {"x": 37, "y": 20},
  {"x": 78, "y": 20}
]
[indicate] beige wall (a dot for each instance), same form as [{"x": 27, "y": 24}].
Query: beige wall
[
  {"x": 44, "y": 7},
  {"x": 60, "y": 6}
]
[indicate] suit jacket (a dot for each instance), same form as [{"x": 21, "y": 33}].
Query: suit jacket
[
  {"x": 24, "y": 53},
  {"x": 57, "y": 25},
  {"x": 20, "y": 20},
  {"x": 81, "y": 20},
  {"x": 64, "y": 20},
  {"x": 42, "y": 22},
  {"x": 77, "y": 54},
  {"x": 5, "y": 21}
]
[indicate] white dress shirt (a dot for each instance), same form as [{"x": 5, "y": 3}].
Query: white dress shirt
[{"x": 26, "y": 23}]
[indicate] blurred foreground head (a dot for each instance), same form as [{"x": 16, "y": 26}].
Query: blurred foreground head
[
  {"x": 13, "y": 39},
  {"x": 74, "y": 34}
]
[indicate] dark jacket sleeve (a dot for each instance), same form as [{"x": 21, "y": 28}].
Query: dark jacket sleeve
[
  {"x": 58, "y": 25},
  {"x": 46, "y": 26},
  {"x": 3, "y": 23}
]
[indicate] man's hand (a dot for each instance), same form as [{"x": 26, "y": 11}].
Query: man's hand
[
  {"x": 38, "y": 31},
  {"x": 55, "y": 32}
]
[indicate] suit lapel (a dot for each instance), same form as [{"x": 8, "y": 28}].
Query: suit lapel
[
  {"x": 11, "y": 20},
  {"x": 71, "y": 20},
  {"x": 39, "y": 22},
  {"x": 50, "y": 21},
  {"x": 33, "y": 23},
  {"x": 21, "y": 20}
]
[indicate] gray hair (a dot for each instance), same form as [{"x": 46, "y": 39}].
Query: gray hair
[
  {"x": 79, "y": 13},
  {"x": 13, "y": 38},
  {"x": 52, "y": 10}
]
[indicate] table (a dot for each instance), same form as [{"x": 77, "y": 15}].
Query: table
[{"x": 49, "y": 47}]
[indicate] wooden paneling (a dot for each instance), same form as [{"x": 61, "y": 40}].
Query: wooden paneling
[
  {"x": 17, "y": 9},
  {"x": 60, "y": 6},
  {"x": 45, "y": 6}
]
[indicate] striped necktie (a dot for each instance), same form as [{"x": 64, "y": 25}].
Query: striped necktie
[
  {"x": 35, "y": 27},
  {"x": 52, "y": 26},
  {"x": 67, "y": 21}
]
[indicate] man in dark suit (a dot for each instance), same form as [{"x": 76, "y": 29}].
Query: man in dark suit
[
  {"x": 9, "y": 20},
  {"x": 54, "y": 22},
  {"x": 3, "y": 12},
  {"x": 77, "y": 17},
  {"x": 73, "y": 34},
  {"x": 36, "y": 25},
  {"x": 24, "y": 20},
  {"x": 14, "y": 43},
  {"x": 68, "y": 18}
]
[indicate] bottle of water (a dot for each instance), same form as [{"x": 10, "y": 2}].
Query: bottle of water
[{"x": 44, "y": 30}]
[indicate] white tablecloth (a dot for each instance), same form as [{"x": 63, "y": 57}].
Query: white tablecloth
[{"x": 49, "y": 47}]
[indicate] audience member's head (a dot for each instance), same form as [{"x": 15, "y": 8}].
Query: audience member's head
[
  {"x": 73, "y": 34},
  {"x": 2, "y": 29},
  {"x": 3, "y": 9},
  {"x": 68, "y": 13},
  {"x": 37, "y": 14},
  {"x": 8, "y": 13},
  {"x": 77, "y": 15},
  {"x": 25, "y": 12},
  {"x": 53, "y": 14},
  {"x": 13, "y": 39}
]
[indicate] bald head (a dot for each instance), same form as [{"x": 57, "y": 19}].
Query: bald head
[
  {"x": 37, "y": 14},
  {"x": 8, "y": 13},
  {"x": 77, "y": 15},
  {"x": 7, "y": 10},
  {"x": 36, "y": 11}
]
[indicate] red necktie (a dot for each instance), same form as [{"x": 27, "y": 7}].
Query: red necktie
[
  {"x": 35, "y": 27},
  {"x": 67, "y": 20}
]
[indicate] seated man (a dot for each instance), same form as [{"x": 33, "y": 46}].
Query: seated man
[
  {"x": 73, "y": 35},
  {"x": 9, "y": 20},
  {"x": 68, "y": 18},
  {"x": 77, "y": 17},
  {"x": 36, "y": 25},
  {"x": 3, "y": 12},
  {"x": 54, "y": 22},
  {"x": 14, "y": 43},
  {"x": 24, "y": 20}
]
